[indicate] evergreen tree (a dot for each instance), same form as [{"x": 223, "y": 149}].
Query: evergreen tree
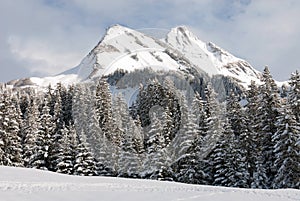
[
  {"x": 155, "y": 95},
  {"x": 56, "y": 134},
  {"x": 43, "y": 142},
  {"x": 81, "y": 106},
  {"x": 65, "y": 157},
  {"x": 85, "y": 163},
  {"x": 237, "y": 173},
  {"x": 199, "y": 110},
  {"x": 103, "y": 107},
  {"x": 267, "y": 114},
  {"x": 287, "y": 151},
  {"x": 214, "y": 123},
  {"x": 155, "y": 139},
  {"x": 188, "y": 168},
  {"x": 129, "y": 161},
  {"x": 138, "y": 138},
  {"x": 156, "y": 164},
  {"x": 167, "y": 126},
  {"x": 221, "y": 157},
  {"x": 294, "y": 94},
  {"x": 31, "y": 130},
  {"x": 10, "y": 142},
  {"x": 258, "y": 175},
  {"x": 239, "y": 125},
  {"x": 14, "y": 146}
]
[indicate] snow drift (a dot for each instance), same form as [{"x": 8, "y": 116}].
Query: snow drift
[{"x": 35, "y": 185}]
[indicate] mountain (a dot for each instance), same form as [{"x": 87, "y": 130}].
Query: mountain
[
  {"x": 127, "y": 49},
  {"x": 124, "y": 48},
  {"x": 211, "y": 58}
]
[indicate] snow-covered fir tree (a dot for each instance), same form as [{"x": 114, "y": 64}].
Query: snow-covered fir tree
[
  {"x": 221, "y": 157},
  {"x": 258, "y": 176},
  {"x": 66, "y": 157},
  {"x": 103, "y": 107},
  {"x": 31, "y": 130},
  {"x": 267, "y": 115},
  {"x": 43, "y": 142},
  {"x": 187, "y": 168},
  {"x": 85, "y": 163},
  {"x": 287, "y": 150},
  {"x": 214, "y": 117},
  {"x": 156, "y": 163},
  {"x": 239, "y": 124},
  {"x": 129, "y": 161},
  {"x": 10, "y": 142},
  {"x": 294, "y": 94},
  {"x": 199, "y": 110}
]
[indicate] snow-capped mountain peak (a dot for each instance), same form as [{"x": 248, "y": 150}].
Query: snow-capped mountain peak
[
  {"x": 211, "y": 58},
  {"x": 128, "y": 49},
  {"x": 194, "y": 49},
  {"x": 115, "y": 31},
  {"x": 184, "y": 36}
]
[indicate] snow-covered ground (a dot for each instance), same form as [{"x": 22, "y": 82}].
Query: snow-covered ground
[{"x": 35, "y": 185}]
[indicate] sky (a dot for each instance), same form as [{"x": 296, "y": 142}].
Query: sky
[{"x": 46, "y": 37}]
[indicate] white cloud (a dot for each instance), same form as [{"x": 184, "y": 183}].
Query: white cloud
[{"x": 43, "y": 59}]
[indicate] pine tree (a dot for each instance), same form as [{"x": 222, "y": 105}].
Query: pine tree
[
  {"x": 294, "y": 94},
  {"x": 287, "y": 151},
  {"x": 3, "y": 127},
  {"x": 43, "y": 142},
  {"x": 81, "y": 104},
  {"x": 214, "y": 123},
  {"x": 138, "y": 138},
  {"x": 155, "y": 139},
  {"x": 65, "y": 157},
  {"x": 221, "y": 157},
  {"x": 167, "y": 126},
  {"x": 156, "y": 164},
  {"x": 64, "y": 95},
  {"x": 129, "y": 161},
  {"x": 240, "y": 127},
  {"x": 103, "y": 107},
  {"x": 199, "y": 110},
  {"x": 267, "y": 114},
  {"x": 187, "y": 166},
  {"x": 94, "y": 133},
  {"x": 85, "y": 163},
  {"x": 10, "y": 142},
  {"x": 105, "y": 162},
  {"x": 14, "y": 146},
  {"x": 31, "y": 130},
  {"x": 237, "y": 173},
  {"x": 56, "y": 134}
]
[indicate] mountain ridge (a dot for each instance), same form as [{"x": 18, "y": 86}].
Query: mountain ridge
[{"x": 128, "y": 49}]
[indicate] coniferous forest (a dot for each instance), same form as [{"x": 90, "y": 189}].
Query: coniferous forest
[{"x": 250, "y": 139}]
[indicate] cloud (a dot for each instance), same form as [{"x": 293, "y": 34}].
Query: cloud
[{"x": 43, "y": 60}]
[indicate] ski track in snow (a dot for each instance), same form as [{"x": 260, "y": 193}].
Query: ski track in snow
[{"x": 35, "y": 185}]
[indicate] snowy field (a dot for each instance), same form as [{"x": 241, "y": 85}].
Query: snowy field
[{"x": 34, "y": 185}]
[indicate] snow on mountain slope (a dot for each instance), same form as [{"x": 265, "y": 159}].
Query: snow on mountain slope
[
  {"x": 65, "y": 79},
  {"x": 127, "y": 49},
  {"x": 35, "y": 185},
  {"x": 193, "y": 48},
  {"x": 211, "y": 58}
]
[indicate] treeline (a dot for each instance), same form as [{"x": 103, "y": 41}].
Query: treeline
[{"x": 85, "y": 130}]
